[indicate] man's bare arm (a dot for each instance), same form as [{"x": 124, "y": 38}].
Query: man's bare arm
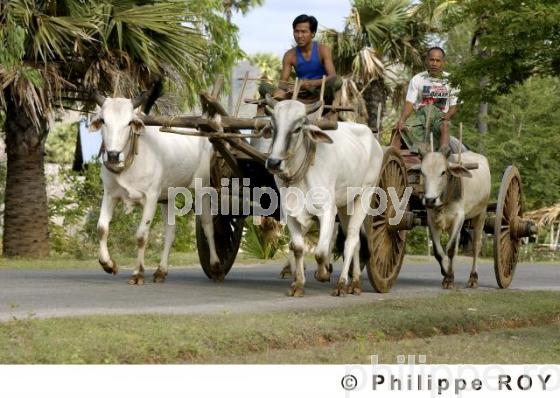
[
  {"x": 407, "y": 110},
  {"x": 452, "y": 111},
  {"x": 286, "y": 69}
]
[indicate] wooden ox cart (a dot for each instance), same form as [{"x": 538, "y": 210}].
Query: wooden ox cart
[{"x": 386, "y": 243}]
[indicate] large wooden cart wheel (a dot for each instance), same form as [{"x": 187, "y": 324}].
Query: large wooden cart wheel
[
  {"x": 228, "y": 231},
  {"x": 508, "y": 227},
  {"x": 386, "y": 243}
]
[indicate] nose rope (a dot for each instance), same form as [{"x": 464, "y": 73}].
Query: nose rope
[
  {"x": 132, "y": 143},
  {"x": 310, "y": 150},
  {"x": 451, "y": 191}
]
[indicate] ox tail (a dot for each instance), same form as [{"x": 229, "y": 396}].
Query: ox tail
[
  {"x": 364, "y": 249},
  {"x": 466, "y": 241}
]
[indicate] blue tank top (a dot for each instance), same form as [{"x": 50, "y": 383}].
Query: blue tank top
[{"x": 312, "y": 69}]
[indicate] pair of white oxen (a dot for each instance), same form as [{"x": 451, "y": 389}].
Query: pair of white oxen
[{"x": 140, "y": 163}]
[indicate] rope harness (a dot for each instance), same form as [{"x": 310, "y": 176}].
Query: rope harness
[
  {"x": 308, "y": 160},
  {"x": 132, "y": 143}
]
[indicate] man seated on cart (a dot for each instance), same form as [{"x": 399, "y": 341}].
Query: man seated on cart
[
  {"x": 429, "y": 96},
  {"x": 311, "y": 61}
]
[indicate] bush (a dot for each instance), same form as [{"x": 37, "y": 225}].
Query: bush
[
  {"x": 417, "y": 241},
  {"x": 266, "y": 240},
  {"x": 79, "y": 209}
]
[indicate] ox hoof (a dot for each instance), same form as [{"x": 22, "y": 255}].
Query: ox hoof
[
  {"x": 159, "y": 276},
  {"x": 217, "y": 274},
  {"x": 322, "y": 275},
  {"x": 473, "y": 281},
  {"x": 218, "y": 277},
  {"x": 296, "y": 290},
  {"x": 448, "y": 283},
  {"x": 355, "y": 288},
  {"x": 137, "y": 279},
  {"x": 109, "y": 267},
  {"x": 340, "y": 289},
  {"x": 286, "y": 271}
]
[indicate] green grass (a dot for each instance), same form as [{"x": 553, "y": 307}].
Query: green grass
[
  {"x": 178, "y": 259},
  {"x": 182, "y": 259},
  {"x": 337, "y": 335},
  {"x": 537, "y": 344}
]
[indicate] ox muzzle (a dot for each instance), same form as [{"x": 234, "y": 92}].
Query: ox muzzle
[
  {"x": 114, "y": 157},
  {"x": 430, "y": 203},
  {"x": 273, "y": 164}
]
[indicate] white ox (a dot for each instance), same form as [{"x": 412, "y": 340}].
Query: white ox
[
  {"x": 449, "y": 205},
  {"x": 347, "y": 158},
  {"x": 161, "y": 161}
]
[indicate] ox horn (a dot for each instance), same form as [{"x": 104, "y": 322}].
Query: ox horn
[
  {"x": 140, "y": 99},
  {"x": 98, "y": 98},
  {"x": 310, "y": 108},
  {"x": 271, "y": 101}
]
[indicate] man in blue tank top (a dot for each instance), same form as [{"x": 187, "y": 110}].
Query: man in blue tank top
[{"x": 310, "y": 60}]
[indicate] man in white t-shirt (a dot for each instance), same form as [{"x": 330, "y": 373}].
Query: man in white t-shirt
[{"x": 429, "y": 95}]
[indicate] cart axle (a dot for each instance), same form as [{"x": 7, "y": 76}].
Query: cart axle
[{"x": 518, "y": 227}]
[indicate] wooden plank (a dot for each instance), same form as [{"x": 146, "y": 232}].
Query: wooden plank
[
  {"x": 244, "y": 147},
  {"x": 195, "y": 122},
  {"x": 211, "y": 105},
  {"x": 238, "y": 105},
  {"x": 227, "y": 155},
  {"x": 208, "y": 135},
  {"x": 228, "y": 123}
]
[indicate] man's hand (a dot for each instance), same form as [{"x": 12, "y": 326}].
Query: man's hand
[
  {"x": 279, "y": 94},
  {"x": 305, "y": 85},
  {"x": 399, "y": 126},
  {"x": 407, "y": 110}
]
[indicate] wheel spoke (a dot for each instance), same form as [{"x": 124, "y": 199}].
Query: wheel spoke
[{"x": 512, "y": 200}]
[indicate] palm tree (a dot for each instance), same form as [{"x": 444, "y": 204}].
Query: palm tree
[
  {"x": 269, "y": 64},
  {"x": 54, "y": 52},
  {"x": 380, "y": 39}
]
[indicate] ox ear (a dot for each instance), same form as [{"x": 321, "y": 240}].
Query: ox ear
[
  {"x": 317, "y": 135},
  {"x": 137, "y": 125},
  {"x": 95, "y": 124},
  {"x": 458, "y": 170},
  {"x": 267, "y": 131}
]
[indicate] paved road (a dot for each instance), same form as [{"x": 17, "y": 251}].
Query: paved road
[{"x": 47, "y": 293}]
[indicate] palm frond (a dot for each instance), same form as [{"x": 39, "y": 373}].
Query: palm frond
[
  {"x": 265, "y": 240},
  {"x": 351, "y": 96},
  {"x": 112, "y": 45},
  {"x": 367, "y": 66},
  {"x": 269, "y": 64}
]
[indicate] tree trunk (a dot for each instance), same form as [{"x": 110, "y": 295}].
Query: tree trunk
[
  {"x": 228, "y": 6},
  {"x": 26, "y": 213},
  {"x": 482, "y": 117},
  {"x": 375, "y": 94}
]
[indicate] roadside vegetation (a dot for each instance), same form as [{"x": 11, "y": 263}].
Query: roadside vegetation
[
  {"x": 508, "y": 110},
  {"x": 455, "y": 327}
]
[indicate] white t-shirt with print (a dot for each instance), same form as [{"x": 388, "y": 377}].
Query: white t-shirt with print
[{"x": 424, "y": 90}]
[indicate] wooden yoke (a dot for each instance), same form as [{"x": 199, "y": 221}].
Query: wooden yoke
[
  {"x": 221, "y": 129},
  {"x": 214, "y": 111}
]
